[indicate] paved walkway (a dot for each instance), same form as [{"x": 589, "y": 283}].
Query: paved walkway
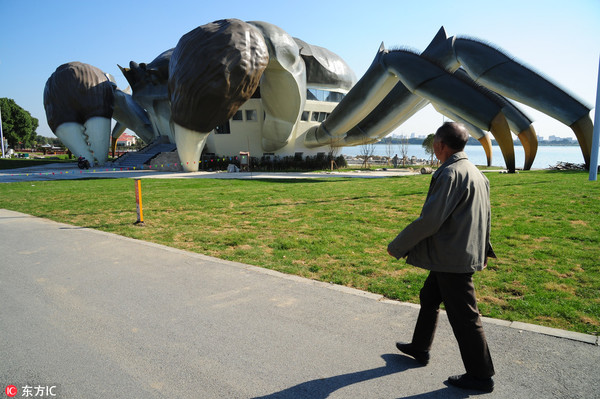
[
  {"x": 97, "y": 315},
  {"x": 69, "y": 171}
]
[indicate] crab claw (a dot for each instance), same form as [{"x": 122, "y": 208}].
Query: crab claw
[
  {"x": 501, "y": 132},
  {"x": 90, "y": 140},
  {"x": 584, "y": 131},
  {"x": 189, "y": 147},
  {"x": 529, "y": 141},
  {"x": 518, "y": 122},
  {"x": 486, "y": 143},
  {"x": 78, "y": 99},
  {"x": 97, "y": 129},
  {"x": 213, "y": 70},
  {"x": 71, "y": 135}
]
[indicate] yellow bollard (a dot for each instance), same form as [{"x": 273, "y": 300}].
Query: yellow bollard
[{"x": 138, "y": 201}]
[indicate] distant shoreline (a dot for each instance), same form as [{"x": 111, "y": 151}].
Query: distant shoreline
[
  {"x": 550, "y": 143},
  {"x": 546, "y": 143}
]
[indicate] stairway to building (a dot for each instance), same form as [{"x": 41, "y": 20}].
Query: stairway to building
[{"x": 141, "y": 157}]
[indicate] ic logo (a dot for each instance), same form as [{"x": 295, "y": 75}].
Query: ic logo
[{"x": 11, "y": 391}]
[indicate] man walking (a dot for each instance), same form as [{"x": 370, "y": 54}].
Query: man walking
[{"x": 451, "y": 238}]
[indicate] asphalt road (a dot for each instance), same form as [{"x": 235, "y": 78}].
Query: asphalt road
[{"x": 86, "y": 314}]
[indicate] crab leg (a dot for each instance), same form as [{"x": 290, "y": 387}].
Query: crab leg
[
  {"x": 428, "y": 81},
  {"x": 368, "y": 92},
  {"x": 400, "y": 105},
  {"x": 474, "y": 105},
  {"x": 493, "y": 69},
  {"x": 118, "y": 130},
  {"x": 130, "y": 114},
  {"x": 397, "y": 108}
]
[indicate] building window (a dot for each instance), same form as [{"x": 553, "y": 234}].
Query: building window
[
  {"x": 305, "y": 115},
  {"x": 251, "y": 115},
  {"x": 319, "y": 116},
  {"x": 238, "y": 116},
  {"x": 223, "y": 128},
  {"x": 334, "y": 97},
  {"x": 324, "y": 95}
]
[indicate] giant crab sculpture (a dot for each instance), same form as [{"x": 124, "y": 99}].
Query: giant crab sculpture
[{"x": 188, "y": 91}]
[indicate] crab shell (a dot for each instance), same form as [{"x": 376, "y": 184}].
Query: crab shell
[{"x": 213, "y": 70}]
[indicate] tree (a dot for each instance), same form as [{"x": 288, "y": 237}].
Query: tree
[
  {"x": 18, "y": 126},
  {"x": 403, "y": 146},
  {"x": 389, "y": 149},
  {"x": 428, "y": 146},
  {"x": 366, "y": 151}
]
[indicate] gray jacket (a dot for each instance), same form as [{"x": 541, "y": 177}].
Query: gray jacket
[{"x": 453, "y": 232}]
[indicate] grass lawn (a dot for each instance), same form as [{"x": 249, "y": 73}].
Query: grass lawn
[
  {"x": 14, "y": 163},
  {"x": 545, "y": 231}
]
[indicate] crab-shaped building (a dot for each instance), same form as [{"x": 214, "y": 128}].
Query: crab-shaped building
[{"x": 231, "y": 86}]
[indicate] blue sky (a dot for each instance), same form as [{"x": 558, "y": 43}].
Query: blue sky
[{"x": 560, "y": 39}]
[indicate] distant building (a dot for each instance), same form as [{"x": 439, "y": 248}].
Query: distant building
[{"x": 126, "y": 140}]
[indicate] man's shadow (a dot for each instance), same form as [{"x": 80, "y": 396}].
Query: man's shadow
[{"x": 394, "y": 363}]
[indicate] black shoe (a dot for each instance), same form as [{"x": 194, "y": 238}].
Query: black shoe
[
  {"x": 466, "y": 381},
  {"x": 420, "y": 356}
]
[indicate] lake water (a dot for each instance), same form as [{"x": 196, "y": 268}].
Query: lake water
[{"x": 546, "y": 155}]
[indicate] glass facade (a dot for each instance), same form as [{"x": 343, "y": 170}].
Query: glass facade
[{"x": 324, "y": 95}]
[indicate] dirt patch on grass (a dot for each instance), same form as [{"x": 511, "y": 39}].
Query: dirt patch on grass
[
  {"x": 560, "y": 287},
  {"x": 560, "y": 275},
  {"x": 588, "y": 320},
  {"x": 492, "y": 300},
  {"x": 579, "y": 223}
]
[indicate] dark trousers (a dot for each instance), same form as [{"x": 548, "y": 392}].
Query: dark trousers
[{"x": 457, "y": 292}]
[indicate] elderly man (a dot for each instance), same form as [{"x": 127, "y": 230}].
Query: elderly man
[{"x": 451, "y": 239}]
